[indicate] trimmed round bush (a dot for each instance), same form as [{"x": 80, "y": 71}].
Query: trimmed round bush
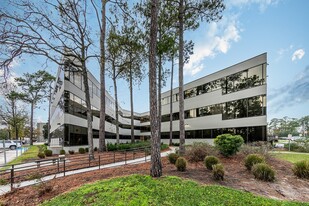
[
  {"x": 86, "y": 149},
  {"x": 48, "y": 153},
  {"x": 173, "y": 157},
  {"x": 71, "y": 152},
  {"x": 253, "y": 159},
  {"x": 301, "y": 169},
  {"x": 228, "y": 144},
  {"x": 209, "y": 161},
  {"x": 95, "y": 149},
  {"x": 262, "y": 171},
  {"x": 181, "y": 164},
  {"x": 62, "y": 152},
  {"x": 218, "y": 171},
  {"x": 41, "y": 155},
  {"x": 81, "y": 150}
]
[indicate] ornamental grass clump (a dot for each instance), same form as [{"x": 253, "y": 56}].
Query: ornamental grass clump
[
  {"x": 301, "y": 169},
  {"x": 199, "y": 150},
  {"x": 181, "y": 164},
  {"x": 262, "y": 171},
  {"x": 253, "y": 159},
  {"x": 218, "y": 171},
  {"x": 173, "y": 157},
  {"x": 228, "y": 144},
  {"x": 41, "y": 155},
  {"x": 209, "y": 161}
]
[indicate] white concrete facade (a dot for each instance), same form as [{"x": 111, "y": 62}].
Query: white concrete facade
[{"x": 202, "y": 124}]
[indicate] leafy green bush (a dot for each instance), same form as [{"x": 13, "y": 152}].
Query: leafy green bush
[
  {"x": 209, "y": 161},
  {"x": 41, "y": 155},
  {"x": 262, "y": 171},
  {"x": 127, "y": 146},
  {"x": 48, "y": 153},
  {"x": 173, "y": 157},
  {"x": 301, "y": 169},
  {"x": 181, "y": 164},
  {"x": 81, "y": 150},
  {"x": 95, "y": 149},
  {"x": 164, "y": 146},
  {"x": 86, "y": 149},
  {"x": 228, "y": 144},
  {"x": 199, "y": 150},
  {"x": 218, "y": 171},
  {"x": 253, "y": 159},
  {"x": 71, "y": 152},
  {"x": 62, "y": 152}
]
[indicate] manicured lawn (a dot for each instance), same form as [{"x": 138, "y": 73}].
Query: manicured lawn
[
  {"x": 31, "y": 153},
  {"x": 144, "y": 190},
  {"x": 292, "y": 157}
]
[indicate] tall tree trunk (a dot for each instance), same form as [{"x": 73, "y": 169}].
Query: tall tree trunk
[
  {"x": 31, "y": 123},
  {"x": 132, "y": 108},
  {"x": 181, "y": 65},
  {"x": 102, "y": 144},
  {"x": 116, "y": 104},
  {"x": 89, "y": 112},
  {"x": 159, "y": 96},
  {"x": 171, "y": 103},
  {"x": 156, "y": 165}
]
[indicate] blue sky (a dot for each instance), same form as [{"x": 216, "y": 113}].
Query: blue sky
[{"x": 248, "y": 28}]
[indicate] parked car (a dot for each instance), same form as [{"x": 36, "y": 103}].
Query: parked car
[{"x": 12, "y": 144}]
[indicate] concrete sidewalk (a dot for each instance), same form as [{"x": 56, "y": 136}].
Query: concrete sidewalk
[{"x": 7, "y": 188}]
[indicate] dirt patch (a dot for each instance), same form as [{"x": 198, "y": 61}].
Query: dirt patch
[{"x": 286, "y": 186}]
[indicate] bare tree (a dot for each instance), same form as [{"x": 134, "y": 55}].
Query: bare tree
[{"x": 57, "y": 30}]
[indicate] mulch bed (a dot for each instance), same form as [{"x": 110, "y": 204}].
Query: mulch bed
[{"x": 286, "y": 186}]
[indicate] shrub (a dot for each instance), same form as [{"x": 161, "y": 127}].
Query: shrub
[
  {"x": 198, "y": 151},
  {"x": 301, "y": 169},
  {"x": 228, "y": 144},
  {"x": 86, "y": 149},
  {"x": 81, "y": 150},
  {"x": 164, "y": 146},
  {"x": 71, "y": 152},
  {"x": 48, "y": 153},
  {"x": 173, "y": 157},
  {"x": 181, "y": 164},
  {"x": 41, "y": 155},
  {"x": 62, "y": 152},
  {"x": 209, "y": 161},
  {"x": 95, "y": 149},
  {"x": 262, "y": 171},
  {"x": 253, "y": 159},
  {"x": 218, "y": 171},
  {"x": 34, "y": 176}
]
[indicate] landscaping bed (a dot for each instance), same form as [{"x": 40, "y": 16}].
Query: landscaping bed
[{"x": 285, "y": 187}]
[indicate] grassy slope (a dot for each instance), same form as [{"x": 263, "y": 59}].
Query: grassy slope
[
  {"x": 292, "y": 157},
  {"x": 144, "y": 190}
]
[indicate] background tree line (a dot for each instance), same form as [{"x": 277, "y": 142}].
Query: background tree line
[{"x": 286, "y": 125}]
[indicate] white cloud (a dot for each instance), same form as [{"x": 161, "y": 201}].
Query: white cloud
[
  {"x": 263, "y": 4},
  {"x": 218, "y": 39},
  {"x": 298, "y": 54}
]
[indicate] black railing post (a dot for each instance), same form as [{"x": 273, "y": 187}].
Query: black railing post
[
  {"x": 99, "y": 162},
  {"x": 114, "y": 157},
  {"x": 125, "y": 157},
  {"x": 89, "y": 160},
  {"x": 64, "y": 167},
  {"x": 58, "y": 165},
  {"x": 12, "y": 177}
]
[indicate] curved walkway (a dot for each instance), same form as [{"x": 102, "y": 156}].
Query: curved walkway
[{"x": 7, "y": 188}]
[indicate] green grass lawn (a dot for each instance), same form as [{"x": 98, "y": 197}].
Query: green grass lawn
[
  {"x": 165, "y": 191},
  {"x": 292, "y": 157}
]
